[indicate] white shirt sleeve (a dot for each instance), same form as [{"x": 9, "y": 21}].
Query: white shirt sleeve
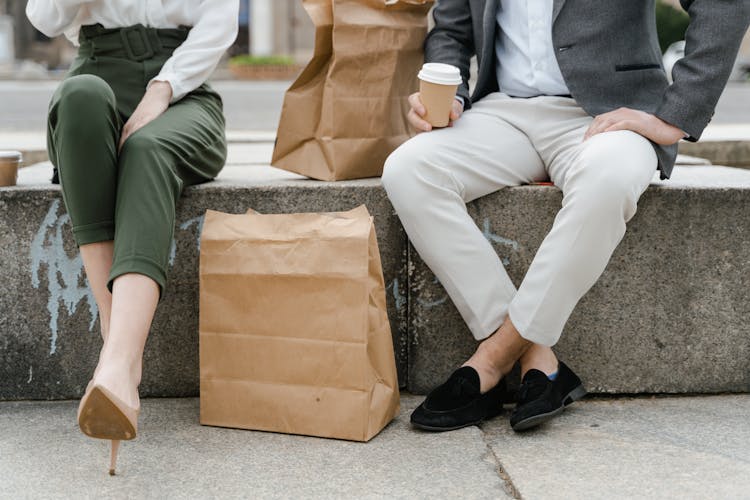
[
  {"x": 52, "y": 17},
  {"x": 192, "y": 62}
]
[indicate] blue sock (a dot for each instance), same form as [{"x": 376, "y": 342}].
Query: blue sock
[{"x": 552, "y": 376}]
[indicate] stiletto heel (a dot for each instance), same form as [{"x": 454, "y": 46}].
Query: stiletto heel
[
  {"x": 103, "y": 415},
  {"x": 113, "y": 456}
]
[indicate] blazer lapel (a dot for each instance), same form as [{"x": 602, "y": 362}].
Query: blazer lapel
[
  {"x": 489, "y": 25},
  {"x": 556, "y": 9}
]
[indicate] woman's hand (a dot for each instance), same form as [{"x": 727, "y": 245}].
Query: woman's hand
[
  {"x": 154, "y": 102},
  {"x": 418, "y": 111},
  {"x": 649, "y": 126}
]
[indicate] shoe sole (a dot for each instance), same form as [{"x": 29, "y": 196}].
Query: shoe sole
[
  {"x": 444, "y": 429},
  {"x": 431, "y": 428},
  {"x": 100, "y": 418},
  {"x": 531, "y": 422}
]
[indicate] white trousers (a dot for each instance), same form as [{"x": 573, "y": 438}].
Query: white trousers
[{"x": 500, "y": 142}]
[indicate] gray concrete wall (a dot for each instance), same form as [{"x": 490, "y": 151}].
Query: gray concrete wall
[
  {"x": 49, "y": 338},
  {"x": 669, "y": 315}
]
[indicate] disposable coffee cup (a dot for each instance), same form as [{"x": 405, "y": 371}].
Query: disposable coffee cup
[
  {"x": 9, "y": 163},
  {"x": 438, "y": 84}
]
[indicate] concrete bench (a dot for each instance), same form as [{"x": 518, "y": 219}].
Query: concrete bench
[
  {"x": 670, "y": 314},
  {"x": 722, "y": 145}
]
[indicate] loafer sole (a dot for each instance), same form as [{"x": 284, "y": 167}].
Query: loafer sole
[
  {"x": 536, "y": 420},
  {"x": 431, "y": 428}
]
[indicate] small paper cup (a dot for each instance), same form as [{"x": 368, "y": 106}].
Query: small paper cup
[
  {"x": 9, "y": 163},
  {"x": 438, "y": 84}
]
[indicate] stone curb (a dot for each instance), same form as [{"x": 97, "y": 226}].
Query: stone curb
[{"x": 668, "y": 316}]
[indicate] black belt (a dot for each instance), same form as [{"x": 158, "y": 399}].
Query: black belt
[{"x": 136, "y": 43}]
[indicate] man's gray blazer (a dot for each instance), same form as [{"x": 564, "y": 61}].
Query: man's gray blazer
[{"x": 609, "y": 55}]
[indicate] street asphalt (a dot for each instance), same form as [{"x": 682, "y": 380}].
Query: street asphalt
[{"x": 256, "y": 105}]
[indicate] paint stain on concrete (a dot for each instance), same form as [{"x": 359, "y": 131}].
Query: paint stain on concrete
[
  {"x": 64, "y": 279},
  {"x": 494, "y": 238},
  {"x": 195, "y": 221},
  {"x": 398, "y": 297},
  {"x": 433, "y": 303}
]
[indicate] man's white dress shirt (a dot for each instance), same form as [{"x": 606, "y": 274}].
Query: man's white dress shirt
[
  {"x": 214, "y": 29},
  {"x": 526, "y": 62}
]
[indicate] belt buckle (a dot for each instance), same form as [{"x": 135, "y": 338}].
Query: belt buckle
[{"x": 140, "y": 31}]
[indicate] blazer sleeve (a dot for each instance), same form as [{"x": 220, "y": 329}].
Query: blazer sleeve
[
  {"x": 712, "y": 41},
  {"x": 451, "y": 41},
  {"x": 52, "y": 17},
  {"x": 192, "y": 62}
]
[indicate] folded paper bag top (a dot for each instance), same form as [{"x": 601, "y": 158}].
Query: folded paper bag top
[
  {"x": 347, "y": 111},
  {"x": 294, "y": 336}
]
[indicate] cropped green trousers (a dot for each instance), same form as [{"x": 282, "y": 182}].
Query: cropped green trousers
[{"x": 130, "y": 195}]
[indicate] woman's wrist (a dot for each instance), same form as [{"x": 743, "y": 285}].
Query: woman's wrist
[{"x": 161, "y": 89}]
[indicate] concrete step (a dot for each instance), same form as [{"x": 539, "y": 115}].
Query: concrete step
[
  {"x": 669, "y": 315},
  {"x": 727, "y": 145},
  {"x": 48, "y": 328}
]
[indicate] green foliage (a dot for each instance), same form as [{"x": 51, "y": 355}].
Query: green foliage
[
  {"x": 248, "y": 60},
  {"x": 671, "y": 23}
]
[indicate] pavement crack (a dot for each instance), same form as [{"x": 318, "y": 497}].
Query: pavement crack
[{"x": 509, "y": 487}]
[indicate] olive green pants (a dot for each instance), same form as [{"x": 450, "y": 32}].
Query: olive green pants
[{"x": 130, "y": 195}]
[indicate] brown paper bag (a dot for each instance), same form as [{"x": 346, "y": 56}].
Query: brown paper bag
[
  {"x": 294, "y": 334},
  {"x": 347, "y": 110}
]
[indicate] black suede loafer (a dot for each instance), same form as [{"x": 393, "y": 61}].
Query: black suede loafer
[
  {"x": 540, "y": 399},
  {"x": 459, "y": 403}
]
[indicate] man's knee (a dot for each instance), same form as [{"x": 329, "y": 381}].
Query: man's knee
[
  {"x": 613, "y": 170},
  {"x": 611, "y": 151},
  {"x": 399, "y": 171}
]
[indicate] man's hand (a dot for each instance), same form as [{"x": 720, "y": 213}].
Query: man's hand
[
  {"x": 154, "y": 102},
  {"x": 649, "y": 126},
  {"x": 418, "y": 111}
]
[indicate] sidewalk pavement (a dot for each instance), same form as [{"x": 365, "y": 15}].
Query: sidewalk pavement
[{"x": 649, "y": 447}]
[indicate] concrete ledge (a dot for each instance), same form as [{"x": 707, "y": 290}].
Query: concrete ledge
[
  {"x": 669, "y": 315},
  {"x": 729, "y": 153},
  {"x": 722, "y": 145},
  {"x": 49, "y": 336}
]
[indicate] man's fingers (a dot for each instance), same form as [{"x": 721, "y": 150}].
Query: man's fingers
[
  {"x": 605, "y": 124},
  {"x": 621, "y": 125},
  {"x": 591, "y": 131},
  {"x": 416, "y": 104},
  {"x": 600, "y": 124},
  {"x": 418, "y": 123}
]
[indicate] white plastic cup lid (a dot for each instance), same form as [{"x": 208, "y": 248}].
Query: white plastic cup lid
[
  {"x": 441, "y": 74},
  {"x": 11, "y": 155}
]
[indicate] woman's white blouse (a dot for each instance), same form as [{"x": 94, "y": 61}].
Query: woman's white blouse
[{"x": 214, "y": 25}]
